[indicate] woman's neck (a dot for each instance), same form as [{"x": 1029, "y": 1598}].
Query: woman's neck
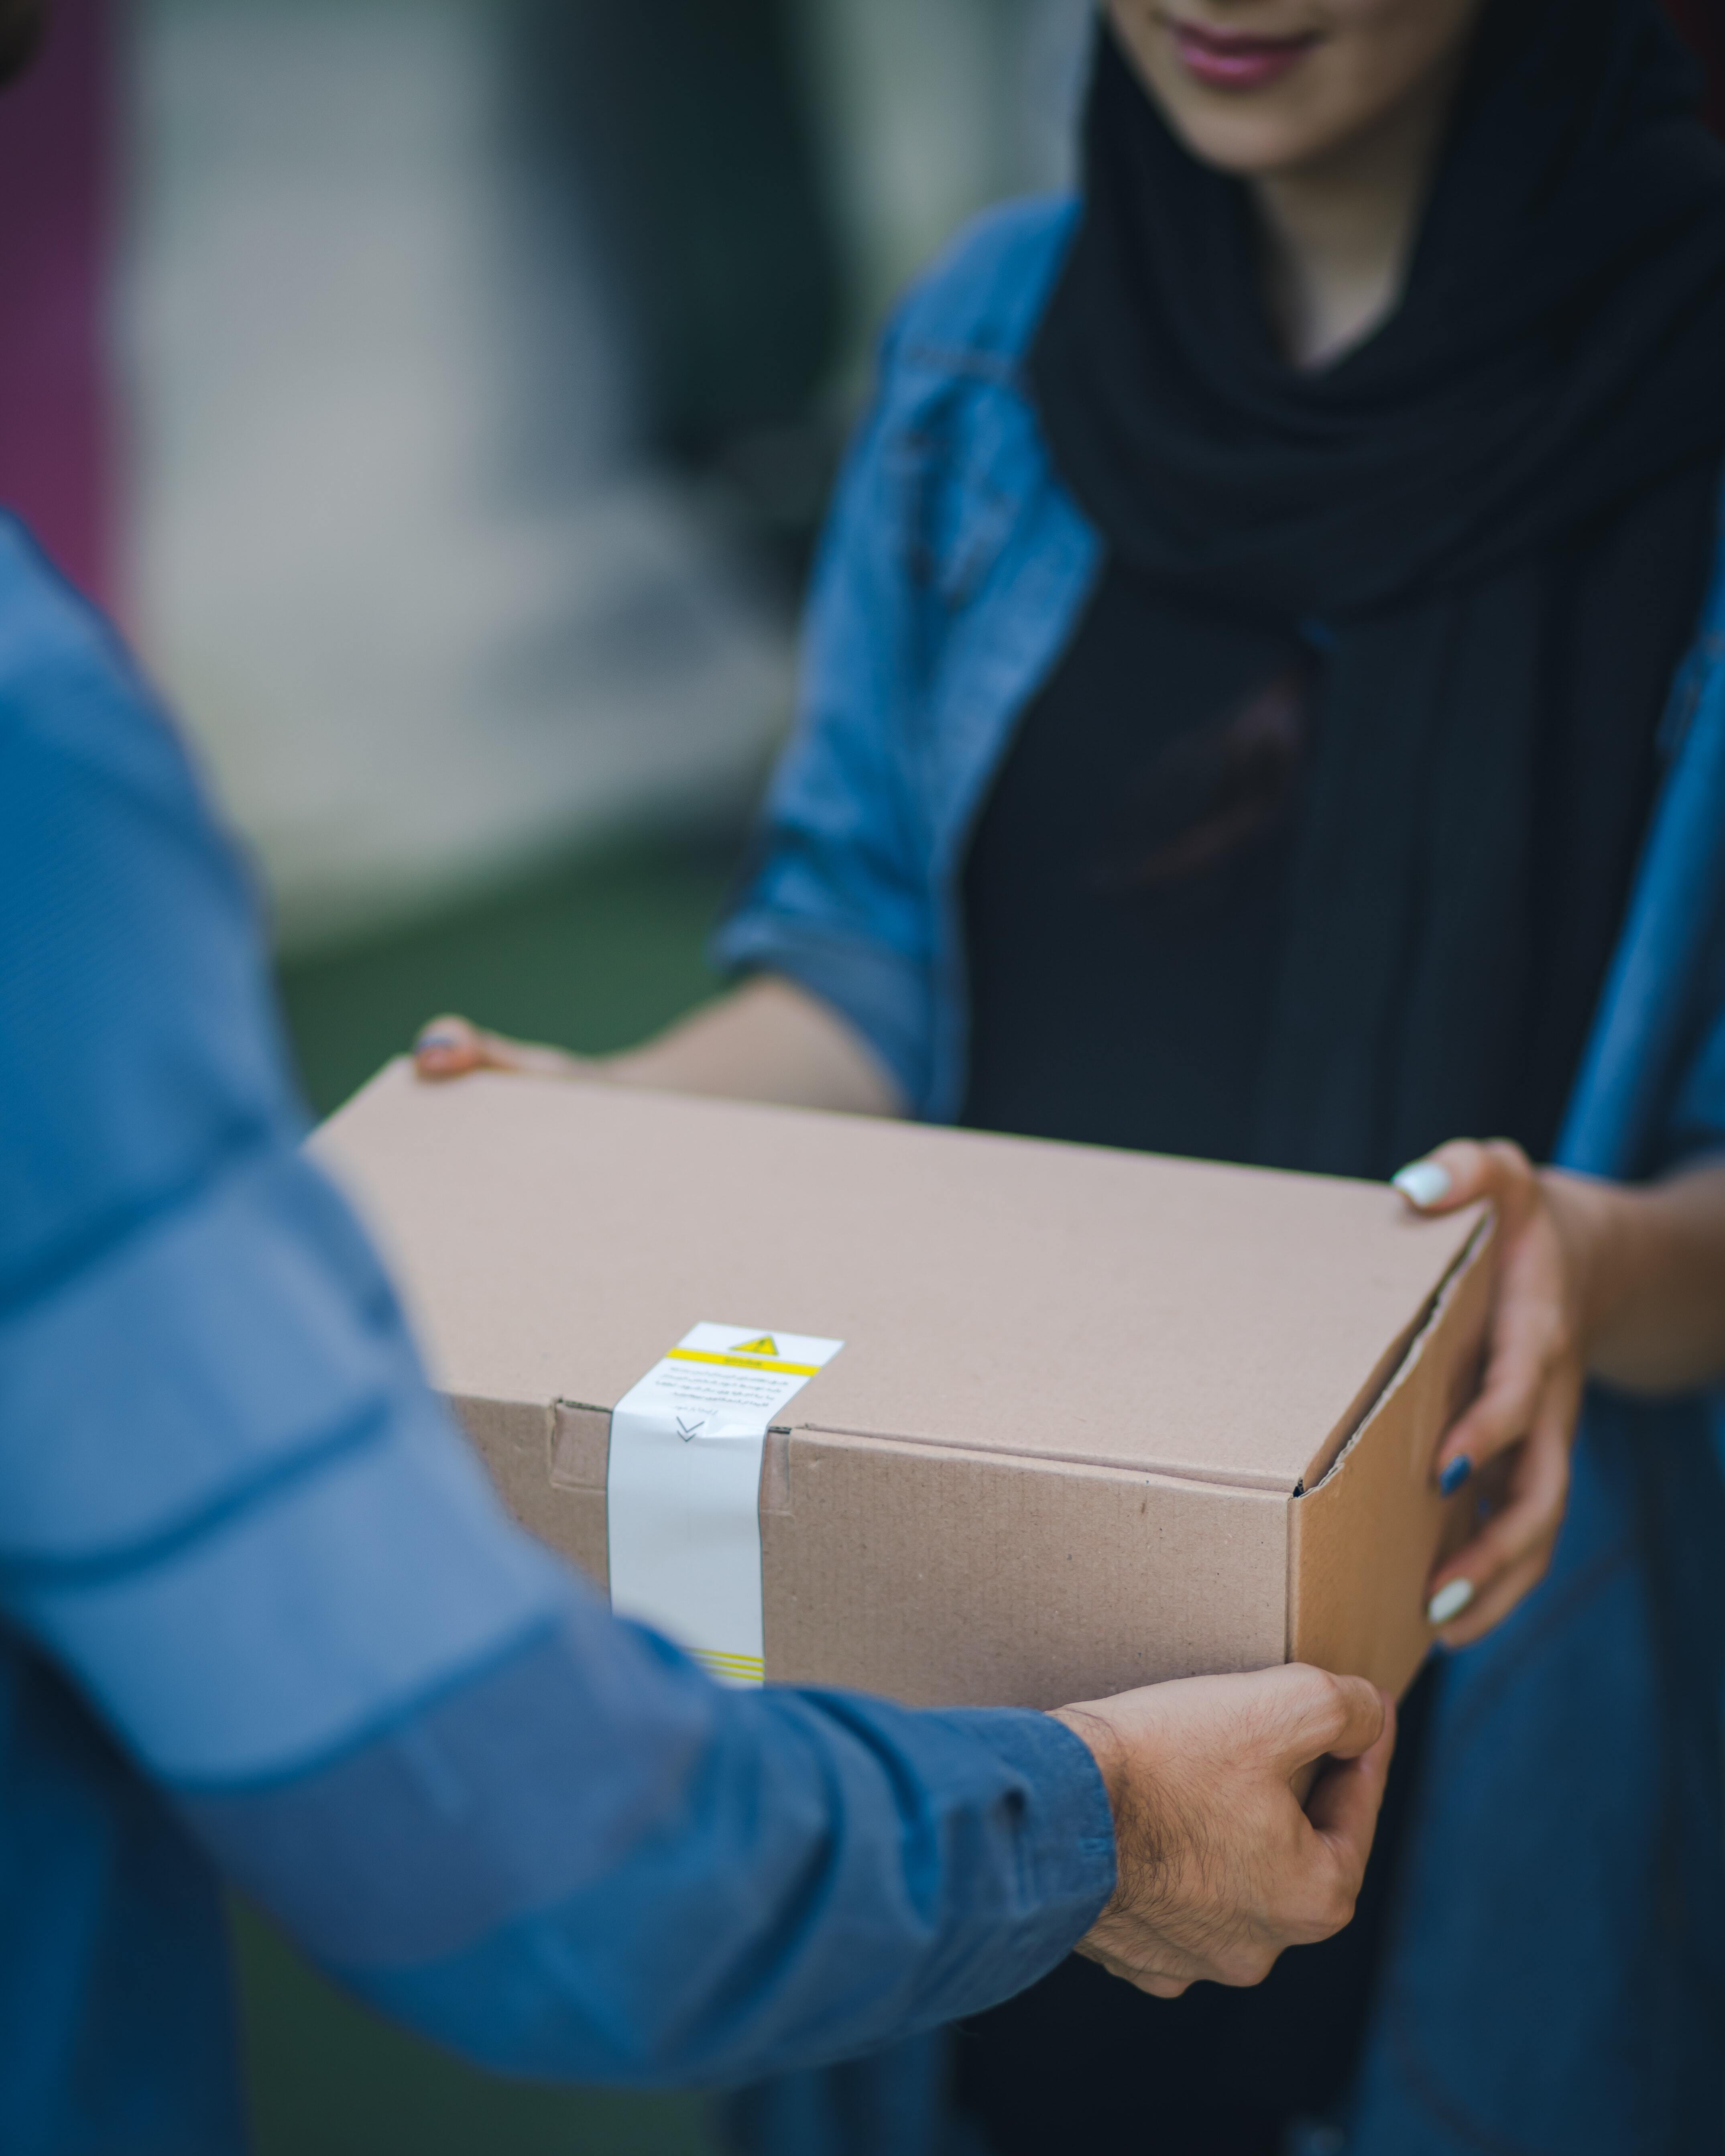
[{"x": 1339, "y": 234}]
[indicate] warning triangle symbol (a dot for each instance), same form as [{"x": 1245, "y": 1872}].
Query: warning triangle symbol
[{"x": 766, "y": 1345}]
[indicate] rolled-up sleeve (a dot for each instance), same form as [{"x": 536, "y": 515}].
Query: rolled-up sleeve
[{"x": 233, "y": 1513}]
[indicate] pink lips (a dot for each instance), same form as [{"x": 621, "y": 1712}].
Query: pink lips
[{"x": 1223, "y": 59}]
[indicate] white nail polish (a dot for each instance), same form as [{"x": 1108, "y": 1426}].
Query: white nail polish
[
  {"x": 1448, "y": 1602},
  {"x": 1423, "y": 1184}
]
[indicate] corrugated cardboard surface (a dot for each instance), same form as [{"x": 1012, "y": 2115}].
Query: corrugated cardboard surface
[
  {"x": 949, "y": 1578},
  {"x": 1377, "y": 1516},
  {"x": 1059, "y": 1452}
]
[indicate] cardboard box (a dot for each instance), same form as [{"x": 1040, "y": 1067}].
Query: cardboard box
[{"x": 1100, "y": 1418}]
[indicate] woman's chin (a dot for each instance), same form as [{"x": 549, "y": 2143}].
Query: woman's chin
[{"x": 1246, "y": 137}]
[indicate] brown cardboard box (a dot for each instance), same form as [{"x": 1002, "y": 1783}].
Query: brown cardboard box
[{"x": 1101, "y": 1418}]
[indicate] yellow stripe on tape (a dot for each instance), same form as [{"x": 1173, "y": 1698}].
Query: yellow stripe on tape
[
  {"x": 748, "y": 1669},
  {"x": 744, "y": 1362}
]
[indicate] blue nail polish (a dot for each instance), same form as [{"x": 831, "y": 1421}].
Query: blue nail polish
[{"x": 1455, "y": 1475}]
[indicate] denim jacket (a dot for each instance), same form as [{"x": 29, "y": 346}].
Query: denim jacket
[{"x": 1554, "y": 1979}]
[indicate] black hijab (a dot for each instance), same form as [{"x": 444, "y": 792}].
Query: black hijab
[{"x": 1494, "y": 515}]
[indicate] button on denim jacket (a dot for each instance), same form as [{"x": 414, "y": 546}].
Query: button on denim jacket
[{"x": 1554, "y": 1978}]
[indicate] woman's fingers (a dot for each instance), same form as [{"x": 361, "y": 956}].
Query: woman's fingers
[
  {"x": 1532, "y": 1392},
  {"x": 451, "y": 1047},
  {"x": 1531, "y": 1334},
  {"x": 1520, "y": 1359},
  {"x": 1443, "y": 1179},
  {"x": 448, "y": 1048},
  {"x": 1485, "y": 1580},
  {"x": 1466, "y": 1170},
  {"x": 1532, "y": 1340},
  {"x": 1499, "y": 1599}
]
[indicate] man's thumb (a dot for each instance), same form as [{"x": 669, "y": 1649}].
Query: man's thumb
[
  {"x": 1326, "y": 1716},
  {"x": 1344, "y": 1805}
]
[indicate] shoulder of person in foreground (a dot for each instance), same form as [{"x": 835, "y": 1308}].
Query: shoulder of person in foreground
[{"x": 235, "y": 1516}]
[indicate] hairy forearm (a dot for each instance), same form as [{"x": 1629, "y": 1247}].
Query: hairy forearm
[{"x": 1652, "y": 1261}]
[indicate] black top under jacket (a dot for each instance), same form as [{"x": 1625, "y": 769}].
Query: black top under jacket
[{"x": 1135, "y": 888}]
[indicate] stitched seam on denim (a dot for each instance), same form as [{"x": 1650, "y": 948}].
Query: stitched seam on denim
[{"x": 102, "y": 1569}]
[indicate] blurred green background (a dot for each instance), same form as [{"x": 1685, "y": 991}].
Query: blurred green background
[{"x": 593, "y": 954}]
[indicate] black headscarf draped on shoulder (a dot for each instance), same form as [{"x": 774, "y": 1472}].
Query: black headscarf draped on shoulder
[{"x": 1486, "y": 511}]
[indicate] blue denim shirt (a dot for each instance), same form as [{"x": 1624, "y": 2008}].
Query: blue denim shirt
[
  {"x": 1554, "y": 1980},
  {"x": 260, "y": 1613}
]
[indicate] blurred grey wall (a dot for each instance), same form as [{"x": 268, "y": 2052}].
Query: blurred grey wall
[
  {"x": 484, "y": 363},
  {"x": 931, "y": 110}
]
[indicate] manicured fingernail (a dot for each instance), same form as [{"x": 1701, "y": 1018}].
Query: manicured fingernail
[
  {"x": 433, "y": 1040},
  {"x": 1455, "y": 1475},
  {"x": 1448, "y": 1602},
  {"x": 1424, "y": 1183}
]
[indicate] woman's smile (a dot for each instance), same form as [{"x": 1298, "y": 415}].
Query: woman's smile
[
  {"x": 1260, "y": 89},
  {"x": 1235, "y": 60}
]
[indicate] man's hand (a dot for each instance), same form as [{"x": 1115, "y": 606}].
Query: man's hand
[{"x": 1219, "y": 1864}]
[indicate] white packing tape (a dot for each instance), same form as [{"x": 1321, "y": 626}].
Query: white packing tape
[{"x": 683, "y": 1487}]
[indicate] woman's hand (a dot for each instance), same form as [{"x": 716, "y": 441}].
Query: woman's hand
[
  {"x": 1621, "y": 1282},
  {"x": 1536, "y": 1368},
  {"x": 450, "y": 1047}
]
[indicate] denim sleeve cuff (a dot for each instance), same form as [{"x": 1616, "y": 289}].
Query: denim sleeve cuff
[
  {"x": 882, "y": 995},
  {"x": 1073, "y": 1855}
]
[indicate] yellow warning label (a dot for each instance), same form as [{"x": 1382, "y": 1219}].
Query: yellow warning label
[
  {"x": 766, "y": 1345},
  {"x": 743, "y": 1363}
]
